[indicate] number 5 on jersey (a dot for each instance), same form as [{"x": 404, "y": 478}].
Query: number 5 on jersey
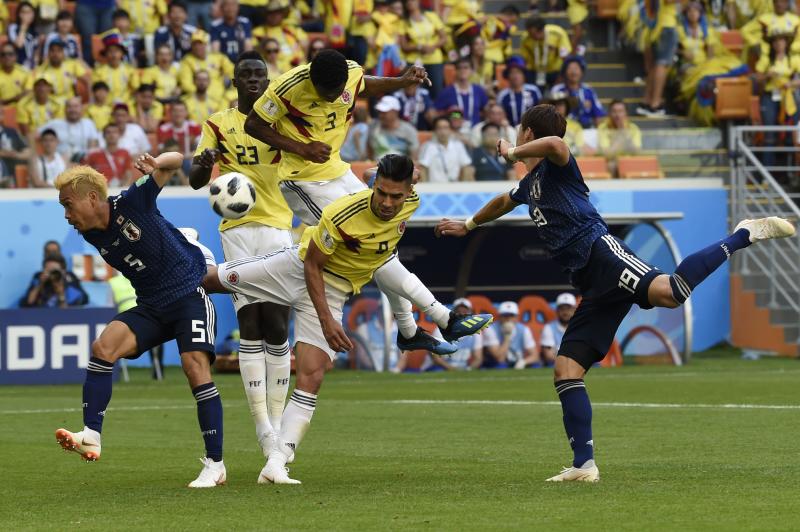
[{"x": 134, "y": 263}]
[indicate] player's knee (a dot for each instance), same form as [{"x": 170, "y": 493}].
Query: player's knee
[
  {"x": 196, "y": 367},
  {"x": 103, "y": 351},
  {"x": 249, "y": 328},
  {"x": 665, "y": 292}
]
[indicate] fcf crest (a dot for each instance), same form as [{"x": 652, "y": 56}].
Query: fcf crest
[
  {"x": 131, "y": 231},
  {"x": 347, "y": 97},
  {"x": 233, "y": 277}
]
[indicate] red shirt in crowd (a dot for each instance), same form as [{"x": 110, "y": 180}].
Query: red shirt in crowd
[
  {"x": 186, "y": 135},
  {"x": 111, "y": 164}
]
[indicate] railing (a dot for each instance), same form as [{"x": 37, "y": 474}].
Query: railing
[{"x": 756, "y": 193}]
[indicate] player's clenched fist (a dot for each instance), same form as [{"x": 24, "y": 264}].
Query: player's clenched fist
[
  {"x": 451, "y": 228},
  {"x": 317, "y": 152},
  {"x": 502, "y": 148},
  {"x": 207, "y": 158},
  {"x": 416, "y": 75}
]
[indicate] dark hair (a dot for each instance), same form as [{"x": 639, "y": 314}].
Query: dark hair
[
  {"x": 464, "y": 61},
  {"x": 177, "y": 3},
  {"x": 110, "y": 124},
  {"x": 146, "y": 87},
  {"x": 120, "y": 13},
  {"x": 544, "y": 120},
  {"x": 56, "y": 242},
  {"x": 489, "y": 125},
  {"x": 55, "y": 257},
  {"x": 396, "y": 167},
  {"x": 534, "y": 22},
  {"x": 97, "y": 85},
  {"x": 510, "y": 9},
  {"x": 439, "y": 119},
  {"x": 48, "y": 131},
  {"x": 19, "y": 13},
  {"x": 64, "y": 15},
  {"x": 329, "y": 70},
  {"x": 177, "y": 102},
  {"x": 249, "y": 55},
  {"x": 615, "y": 102}
]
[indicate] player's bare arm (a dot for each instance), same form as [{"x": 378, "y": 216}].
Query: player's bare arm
[
  {"x": 314, "y": 151},
  {"x": 202, "y": 166},
  {"x": 497, "y": 207},
  {"x": 375, "y": 86},
  {"x": 552, "y": 148},
  {"x": 161, "y": 168},
  {"x": 312, "y": 269}
]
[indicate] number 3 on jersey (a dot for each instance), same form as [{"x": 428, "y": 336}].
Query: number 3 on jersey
[{"x": 331, "y": 121}]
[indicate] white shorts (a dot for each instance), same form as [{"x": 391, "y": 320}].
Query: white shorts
[
  {"x": 251, "y": 240},
  {"x": 278, "y": 278},
  {"x": 308, "y": 198}
]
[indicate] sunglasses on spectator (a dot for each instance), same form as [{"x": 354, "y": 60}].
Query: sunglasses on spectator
[{"x": 272, "y": 50}]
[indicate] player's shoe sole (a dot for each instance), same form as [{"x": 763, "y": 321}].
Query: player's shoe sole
[
  {"x": 423, "y": 340},
  {"x": 577, "y": 474},
  {"x": 767, "y": 228},
  {"x": 461, "y": 326},
  {"x": 72, "y": 442}
]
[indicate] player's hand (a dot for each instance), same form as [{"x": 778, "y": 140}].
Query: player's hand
[
  {"x": 450, "y": 228},
  {"x": 317, "y": 152},
  {"x": 207, "y": 158},
  {"x": 416, "y": 75},
  {"x": 146, "y": 164},
  {"x": 502, "y": 148},
  {"x": 336, "y": 337}
]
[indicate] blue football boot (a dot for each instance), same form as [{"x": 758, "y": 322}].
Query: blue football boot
[
  {"x": 460, "y": 326},
  {"x": 423, "y": 340}
]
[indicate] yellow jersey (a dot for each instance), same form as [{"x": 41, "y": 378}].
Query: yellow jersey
[
  {"x": 292, "y": 105},
  {"x": 3, "y": 17},
  {"x": 64, "y": 78},
  {"x": 157, "y": 111},
  {"x": 548, "y": 54},
  {"x": 145, "y": 14},
  {"x": 423, "y": 32},
  {"x": 362, "y": 8},
  {"x": 239, "y": 152},
  {"x": 14, "y": 83},
  {"x": 292, "y": 40},
  {"x": 497, "y": 35},
  {"x": 35, "y": 115},
  {"x": 200, "y": 110},
  {"x": 461, "y": 11},
  {"x": 121, "y": 81},
  {"x": 99, "y": 114},
  {"x": 357, "y": 241},
  {"x": 218, "y": 66},
  {"x": 612, "y": 142},
  {"x": 165, "y": 81}
]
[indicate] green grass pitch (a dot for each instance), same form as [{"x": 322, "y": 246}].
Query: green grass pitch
[{"x": 466, "y": 451}]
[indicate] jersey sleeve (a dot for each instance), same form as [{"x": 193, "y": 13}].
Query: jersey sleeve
[
  {"x": 520, "y": 192},
  {"x": 270, "y": 107},
  {"x": 142, "y": 194},
  {"x": 325, "y": 235},
  {"x": 208, "y": 140}
]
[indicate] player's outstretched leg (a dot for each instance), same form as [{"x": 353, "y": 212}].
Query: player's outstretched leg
[
  {"x": 394, "y": 278},
  {"x": 116, "y": 341},
  {"x": 209, "y": 416}
]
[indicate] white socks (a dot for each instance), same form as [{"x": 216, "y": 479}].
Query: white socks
[
  {"x": 253, "y": 368},
  {"x": 279, "y": 368},
  {"x": 401, "y": 308},
  {"x": 394, "y": 277},
  {"x": 296, "y": 419}
]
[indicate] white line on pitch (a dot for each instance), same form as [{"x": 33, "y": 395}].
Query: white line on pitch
[
  {"x": 116, "y": 408},
  {"x": 731, "y": 406}
]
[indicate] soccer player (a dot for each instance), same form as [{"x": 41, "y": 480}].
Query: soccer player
[
  {"x": 266, "y": 228},
  {"x": 305, "y": 113},
  {"x": 166, "y": 271},
  {"x": 334, "y": 259},
  {"x": 609, "y": 275}
]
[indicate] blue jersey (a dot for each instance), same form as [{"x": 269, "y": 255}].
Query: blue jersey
[
  {"x": 558, "y": 203},
  {"x": 160, "y": 263},
  {"x": 231, "y": 38}
]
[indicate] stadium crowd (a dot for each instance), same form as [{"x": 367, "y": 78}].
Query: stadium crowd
[{"x": 102, "y": 81}]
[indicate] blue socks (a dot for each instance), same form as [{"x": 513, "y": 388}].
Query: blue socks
[
  {"x": 577, "y": 412},
  {"x": 696, "y": 267},
  {"x": 209, "y": 414},
  {"x": 96, "y": 392}
]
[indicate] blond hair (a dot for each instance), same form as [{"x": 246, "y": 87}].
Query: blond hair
[{"x": 82, "y": 179}]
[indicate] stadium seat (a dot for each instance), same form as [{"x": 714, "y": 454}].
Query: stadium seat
[
  {"x": 482, "y": 305},
  {"x": 499, "y": 72},
  {"x": 424, "y": 136},
  {"x": 449, "y": 74},
  {"x": 593, "y": 167},
  {"x": 639, "y": 166},
  {"x": 732, "y": 40},
  {"x": 733, "y": 98},
  {"x": 21, "y": 176},
  {"x": 363, "y": 309},
  {"x": 535, "y": 312},
  {"x": 359, "y": 167},
  {"x": 97, "y": 49},
  {"x": 607, "y": 8},
  {"x": 10, "y": 116}
]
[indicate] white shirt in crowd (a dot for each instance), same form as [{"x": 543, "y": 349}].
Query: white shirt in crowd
[
  {"x": 521, "y": 340},
  {"x": 50, "y": 168},
  {"x": 506, "y": 132},
  {"x": 552, "y": 333},
  {"x": 73, "y": 137},
  {"x": 444, "y": 163},
  {"x": 134, "y": 140}
]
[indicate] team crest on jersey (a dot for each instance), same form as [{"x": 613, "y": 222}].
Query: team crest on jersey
[
  {"x": 327, "y": 239},
  {"x": 131, "y": 231},
  {"x": 233, "y": 277},
  {"x": 401, "y": 228},
  {"x": 347, "y": 96},
  {"x": 270, "y": 107}
]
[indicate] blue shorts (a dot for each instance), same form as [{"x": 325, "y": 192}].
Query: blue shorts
[
  {"x": 191, "y": 321},
  {"x": 665, "y": 48},
  {"x": 610, "y": 283}
]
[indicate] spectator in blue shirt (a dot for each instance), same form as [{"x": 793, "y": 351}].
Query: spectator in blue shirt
[
  {"x": 470, "y": 97},
  {"x": 176, "y": 34},
  {"x": 22, "y": 34},
  {"x": 519, "y": 95},
  {"x": 416, "y": 106},
  {"x": 92, "y": 17},
  {"x": 54, "y": 286},
  {"x": 589, "y": 110},
  {"x": 231, "y": 34}
]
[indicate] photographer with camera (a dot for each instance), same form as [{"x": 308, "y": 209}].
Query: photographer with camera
[{"x": 54, "y": 286}]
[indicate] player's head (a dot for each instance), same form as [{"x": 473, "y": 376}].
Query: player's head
[
  {"x": 541, "y": 121},
  {"x": 392, "y": 185},
  {"x": 82, "y": 191},
  {"x": 565, "y": 307},
  {"x": 329, "y": 74},
  {"x": 250, "y": 74}
]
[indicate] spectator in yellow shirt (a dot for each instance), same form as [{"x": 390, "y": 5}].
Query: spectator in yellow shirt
[
  {"x": 62, "y": 73},
  {"x": 361, "y": 27},
  {"x": 99, "y": 111},
  {"x": 147, "y": 111},
  {"x": 544, "y": 48},
  {"x": 422, "y": 36},
  {"x": 271, "y": 54},
  {"x": 497, "y": 31},
  {"x": 457, "y": 12},
  {"x": 292, "y": 39},
  {"x": 217, "y": 65},
  {"x": 200, "y": 104},
  {"x": 164, "y": 75},
  {"x": 15, "y": 79},
  {"x": 37, "y": 109},
  {"x": 617, "y": 135},
  {"x": 145, "y": 14},
  {"x": 120, "y": 76}
]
